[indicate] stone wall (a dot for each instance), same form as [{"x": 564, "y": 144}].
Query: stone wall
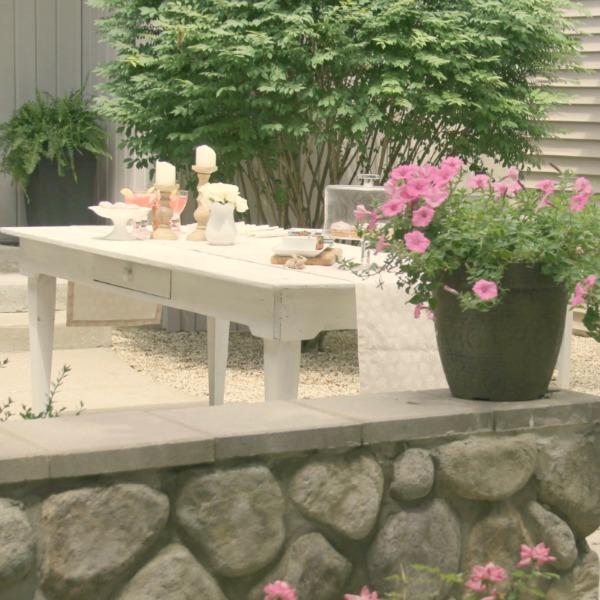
[{"x": 329, "y": 513}]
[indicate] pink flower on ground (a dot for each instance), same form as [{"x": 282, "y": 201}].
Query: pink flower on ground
[
  {"x": 590, "y": 281},
  {"x": 486, "y": 290},
  {"x": 422, "y": 216},
  {"x": 479, "y": 181},
  {"x": 578, "y": 202},
  {"x": 546, "y": 185},
  {"x": 579, "y": 296},
  {"x": 539, "y": 554},
  {"x": 365, "y": 594},
  {"x": 513, "y": 173},
  {"x": 416, "y": 242},
  {"x": 361, "y": 213},
  {"x": 279, "y": 590}
]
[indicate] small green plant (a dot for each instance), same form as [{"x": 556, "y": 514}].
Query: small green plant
[
  {"x": 50, "y": 409},
  {"x": 55, "y": 128}
]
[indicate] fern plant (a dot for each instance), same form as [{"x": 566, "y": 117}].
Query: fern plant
[{"x": 56, "y": 128}]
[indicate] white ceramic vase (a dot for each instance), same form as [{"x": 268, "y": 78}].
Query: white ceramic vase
[{"x": 221, "y": 229}]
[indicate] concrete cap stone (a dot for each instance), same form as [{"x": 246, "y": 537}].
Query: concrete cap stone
[
  {"x": 106, "y": 443},
  {"x": 267, "y": 428}
]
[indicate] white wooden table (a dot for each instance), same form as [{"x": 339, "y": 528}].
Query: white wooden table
[{"x": 227, "y": 283}]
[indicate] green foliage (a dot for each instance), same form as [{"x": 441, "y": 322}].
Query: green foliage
[
  {"x": 298, "y": 95},
  {"x": 52, "y": 128},
  {"x": 50, "y": 410},
  {"x": 484, "y": 229}
]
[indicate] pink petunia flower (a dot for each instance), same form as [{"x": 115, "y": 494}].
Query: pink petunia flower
[
  {"x": 422, "y": 216},
  {"x": 590, "y": 281},
  {"x": 365, "y": 594},
  {"x": 444, "y": 175},
  {"x": 361, "y": 213},
  {"x": 579, "y": 295},
  {"x": 539, "y": 554},
  {"x": 583, "y": 186},
  {"x": 374, "y": 218},
  {"x": 279, "y": 590},
  {"x": 416, "y": 242},
  {"x": 392, "y": 207},
  {"x": 403, "y": 171},
  {"x": 486, "y": 290},
  {"x": 479, "y": 181},
  {"x": 578, "y": 202},
  {"x": 544, "y": 202},
  {"x": 418, "y": 310},
  {"x": 454, "y": 162},
  {"x": 546, "y": 185},
  {"x": 513, "y": 173},
  {"x": 381, "y": 244},
  {"x": 503, "y": 188},
  {"x": 417, "y": 187},
  {"x": 435, "y": 196}
]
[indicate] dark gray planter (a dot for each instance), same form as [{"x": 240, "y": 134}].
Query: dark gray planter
[
  {"x": 55, "y": 200},
  {"x": 508, "y": 353}
]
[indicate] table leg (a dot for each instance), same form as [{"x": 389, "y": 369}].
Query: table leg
[
  {"x": 218, "y": 344},
  {"x": 41, "y": 291},
  {"x": 282, "y": 369},
  {"x": 563, "y": 364}
]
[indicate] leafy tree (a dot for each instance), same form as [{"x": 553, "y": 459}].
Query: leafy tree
[{"x": 297, "y": 95}]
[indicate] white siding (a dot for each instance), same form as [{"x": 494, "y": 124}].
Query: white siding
[{"x": 578, "y": 119}]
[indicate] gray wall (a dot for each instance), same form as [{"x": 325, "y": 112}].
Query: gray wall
[{"x": 52, "y": 44}]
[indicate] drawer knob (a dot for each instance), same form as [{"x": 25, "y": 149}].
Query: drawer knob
[{"x": 127, "y": 274}]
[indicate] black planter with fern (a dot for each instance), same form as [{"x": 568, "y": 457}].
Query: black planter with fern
[{"x": 50, "y": 148}]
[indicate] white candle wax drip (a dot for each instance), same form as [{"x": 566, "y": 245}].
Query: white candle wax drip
[
  {"x": 205, "y": 157},
  {"x": 165, "y": 173}
]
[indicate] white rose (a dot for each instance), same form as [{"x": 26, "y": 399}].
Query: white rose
[{"x": 241, "y": 204}]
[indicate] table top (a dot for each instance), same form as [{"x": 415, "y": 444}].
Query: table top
[{"x": 249, "y": 259}]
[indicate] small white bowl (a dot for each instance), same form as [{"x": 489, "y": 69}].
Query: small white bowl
[{"x": 304, "y": 243}]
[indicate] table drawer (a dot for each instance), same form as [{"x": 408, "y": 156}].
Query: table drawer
[{"x": 132, "y": 276}]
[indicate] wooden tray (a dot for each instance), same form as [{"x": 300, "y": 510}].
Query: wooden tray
[{"x": 325, "y": 259}]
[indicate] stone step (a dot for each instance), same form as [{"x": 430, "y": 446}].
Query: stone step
[{"x": 14, "y": 334}]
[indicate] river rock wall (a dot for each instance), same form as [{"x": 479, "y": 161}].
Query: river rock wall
[{"x": 328, "y": 521}]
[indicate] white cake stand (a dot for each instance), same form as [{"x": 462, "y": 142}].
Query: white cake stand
[{"x": 120, "y": 216}]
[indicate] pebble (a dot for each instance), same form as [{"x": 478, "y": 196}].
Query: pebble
[{"x": 179, "y": 359}]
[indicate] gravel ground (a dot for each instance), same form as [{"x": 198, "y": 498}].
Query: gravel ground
[{"x": 180, "y": 359}]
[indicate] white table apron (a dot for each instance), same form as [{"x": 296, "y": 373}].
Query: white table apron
[{"x": 235, "y": 283}]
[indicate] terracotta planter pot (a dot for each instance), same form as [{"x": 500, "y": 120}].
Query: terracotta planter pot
[{"x": 508, "y": 353}]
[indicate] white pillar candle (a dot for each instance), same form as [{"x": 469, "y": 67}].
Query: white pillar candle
[
  {"x": 205, "y": 157},
  {"x": 165, "y": 173}
]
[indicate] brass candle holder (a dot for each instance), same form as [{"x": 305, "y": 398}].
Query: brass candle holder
[
  {"x": 201, "y": 214},
  {"x": 164, "y": 213}
]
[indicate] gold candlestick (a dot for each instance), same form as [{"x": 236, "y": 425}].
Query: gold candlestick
[
  {"x": 201, "y": 214},
  {"x": 164, "y": 213}
]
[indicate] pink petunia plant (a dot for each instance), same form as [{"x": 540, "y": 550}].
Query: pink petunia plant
[{"x": 438, "y": 218}]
